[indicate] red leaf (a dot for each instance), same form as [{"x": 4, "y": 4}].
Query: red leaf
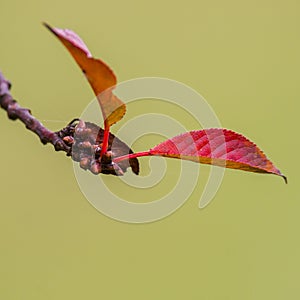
[{"x": 219, "y": 147}]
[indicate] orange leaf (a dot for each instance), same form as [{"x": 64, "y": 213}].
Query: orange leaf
[{"x": 100, "y": 76}]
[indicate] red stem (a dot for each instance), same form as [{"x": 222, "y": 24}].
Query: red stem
[
  {"x": 105, "y": 139},
  {"x": 132, "y": 155}
]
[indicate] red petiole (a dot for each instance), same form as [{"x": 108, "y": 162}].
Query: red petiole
[
  {"x": 132, "y": 155},
  {"x": 105, "y": 139}
]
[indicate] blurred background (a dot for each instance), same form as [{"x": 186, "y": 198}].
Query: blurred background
[{"x": 243, "y": 57}]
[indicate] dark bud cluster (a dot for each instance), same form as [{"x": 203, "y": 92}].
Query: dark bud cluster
[{"x": 85, "y": 141}]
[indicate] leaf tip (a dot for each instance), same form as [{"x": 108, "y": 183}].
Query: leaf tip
[
  {"x": 46, "y": 24},
  {"x": 284, "y": 178},
  {"x": 49, "y": 27}
]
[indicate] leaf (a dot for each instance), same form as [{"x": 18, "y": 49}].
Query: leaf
[
  {"x": 99, "y": 75},
  {"x": 219, "y": 147}
]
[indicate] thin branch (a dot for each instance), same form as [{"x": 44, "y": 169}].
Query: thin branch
[
  {"x": 81, "y": 140},
  {"x": 16, "y": 112}
]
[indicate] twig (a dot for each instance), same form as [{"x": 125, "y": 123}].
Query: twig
[
  {"x": 80, "y": 140},
  {"x": 15, "y": 111}
]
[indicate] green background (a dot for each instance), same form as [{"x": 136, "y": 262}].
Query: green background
[{"x": 243, "y": 57}]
